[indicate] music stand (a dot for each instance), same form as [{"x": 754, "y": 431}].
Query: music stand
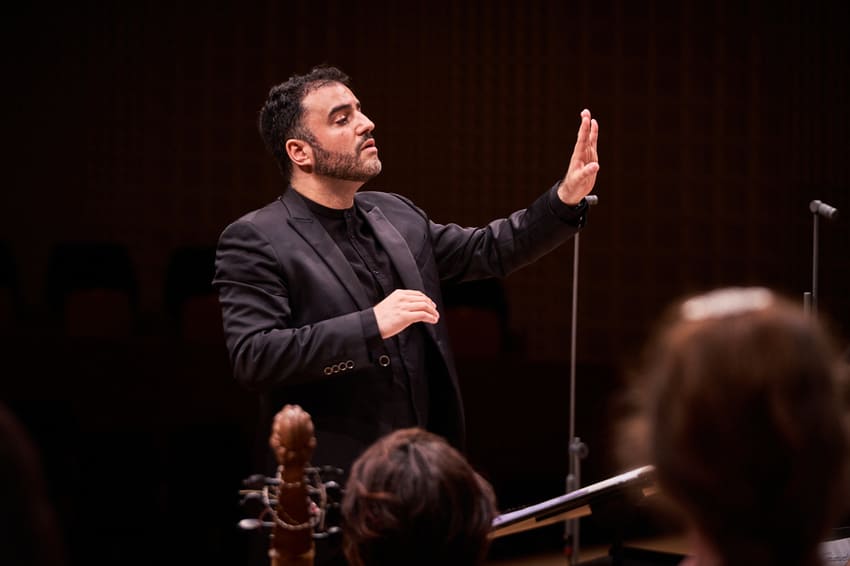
[
  {"x": 577, "y": 448},
  {"x": 817, "y": 208},
  {"x": 575, "y": 504}
]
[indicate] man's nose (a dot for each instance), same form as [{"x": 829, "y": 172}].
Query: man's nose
[{"x": 365, "y": 125}]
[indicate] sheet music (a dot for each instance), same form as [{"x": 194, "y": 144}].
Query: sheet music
[{"x": 572, "y": 500}]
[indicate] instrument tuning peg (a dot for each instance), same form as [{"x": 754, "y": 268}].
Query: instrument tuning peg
[
  {"x": 255, "y": 481},
  {"x": 253, "y": 524}
]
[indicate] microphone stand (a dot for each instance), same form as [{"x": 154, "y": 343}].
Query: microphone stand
[
  {"x": 577, "y": 448},
  {"x": 817, "y": 208}
]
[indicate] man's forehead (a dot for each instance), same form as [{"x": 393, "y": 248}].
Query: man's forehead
[{"x": 323, "y": 99}]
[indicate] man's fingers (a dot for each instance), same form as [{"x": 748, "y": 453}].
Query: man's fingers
[
  {"x": 402, "y": 308},
  {"x": 588, "y": 170},
  {"x": 426, "y": 307},
  {"x": 584, "y": 127},
  {"x": 585, "y": 148},
  {"x": 588, "y": 131},
  {"x": 584, "y": 175},
  {"x": 409, "y": 294},
  {"x": 591, "y": 141},
  {"x": 417, "y": 299},
  {"x": 584, "y": 162}
]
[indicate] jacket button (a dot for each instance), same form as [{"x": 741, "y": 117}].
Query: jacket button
[
  {"x": 328, "y": 370},
  {"x": 384, "y": 360},
  {"x": 349, "y": 364}
]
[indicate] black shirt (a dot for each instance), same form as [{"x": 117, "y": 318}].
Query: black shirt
[{"x": 376, "y": 275}]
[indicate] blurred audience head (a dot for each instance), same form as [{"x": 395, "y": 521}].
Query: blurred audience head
[
  {"x": 29, "y": 533},
  {"x": 742, "y": 410},
  {"x": 413, "y": 499}
]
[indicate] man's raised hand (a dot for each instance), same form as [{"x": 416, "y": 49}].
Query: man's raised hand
[{"x": 584, "y": 163}]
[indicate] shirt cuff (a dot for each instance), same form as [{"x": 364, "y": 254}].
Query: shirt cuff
[{"x": 572, "y": 215}]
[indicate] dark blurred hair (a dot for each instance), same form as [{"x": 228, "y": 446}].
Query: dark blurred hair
[
  {"x": 745, "y": 406},
  {"x": 280, "y": 116},
  {"x": 413, "y": 499},
  {"x": 29, "y": 531}
]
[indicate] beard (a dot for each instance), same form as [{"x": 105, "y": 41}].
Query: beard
[{"x": 344, "y": 166}]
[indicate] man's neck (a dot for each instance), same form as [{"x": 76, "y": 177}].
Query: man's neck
[{"x": 332, "y": 193}]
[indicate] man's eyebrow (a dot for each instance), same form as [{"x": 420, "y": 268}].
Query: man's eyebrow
[{"x": 339, "y": 108}]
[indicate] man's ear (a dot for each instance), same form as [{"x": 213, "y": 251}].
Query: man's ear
[{"x": 300, "y": 152}]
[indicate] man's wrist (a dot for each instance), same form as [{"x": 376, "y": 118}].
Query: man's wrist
[{"x": 575, "y": 215}]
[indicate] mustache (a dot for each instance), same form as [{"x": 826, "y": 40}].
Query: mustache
[{"x": 366, "y": 137}]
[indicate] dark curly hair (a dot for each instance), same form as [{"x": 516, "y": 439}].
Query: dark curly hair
[
  {"x": 413, "y": 499},
  {"x": 280, "y": 116}
]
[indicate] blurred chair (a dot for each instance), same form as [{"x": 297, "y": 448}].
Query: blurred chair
[
  {"x": 92, "y": 290},
  {"x": 477, "y": 318},
  {"x": 190, "y": 300}
]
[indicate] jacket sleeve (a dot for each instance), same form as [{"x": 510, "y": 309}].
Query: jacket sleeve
[
  {"x": 266, "y": 348},
  {"x": 507, "y": 244}
]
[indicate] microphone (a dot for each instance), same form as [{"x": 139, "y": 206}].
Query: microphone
[
  {"x": 818, "y": 207},
  {"x": 593, "y": 199}
]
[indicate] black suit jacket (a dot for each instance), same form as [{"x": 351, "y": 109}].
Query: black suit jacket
[{"x": 296, "y": 320}]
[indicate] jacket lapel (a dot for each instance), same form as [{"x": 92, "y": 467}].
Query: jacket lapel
[
  {"x": 400, "y": 255},
  {"x": 397, "y": 248},
  {"x": 303, "y": 222}
]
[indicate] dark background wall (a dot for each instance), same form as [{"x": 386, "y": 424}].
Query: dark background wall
[{"x": 134, "y": 124}]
